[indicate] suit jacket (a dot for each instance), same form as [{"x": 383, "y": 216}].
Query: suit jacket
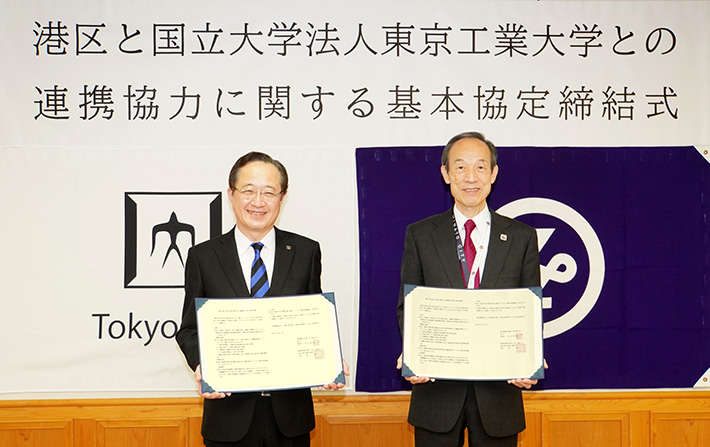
[
  {"x": 213, "y": 270},
  {"x": 430, "y": 259}
]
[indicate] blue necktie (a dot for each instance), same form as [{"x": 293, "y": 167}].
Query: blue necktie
[{"x": 259, "y": 282}]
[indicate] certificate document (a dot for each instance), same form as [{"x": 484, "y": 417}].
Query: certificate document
[
  {"x": 261, "y": 344},
  {"x": 473, "y": 334}
]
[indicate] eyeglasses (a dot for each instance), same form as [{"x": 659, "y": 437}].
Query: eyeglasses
[{"x": 267, "y": 196}]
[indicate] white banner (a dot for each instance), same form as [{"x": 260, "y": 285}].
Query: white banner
[{"x": 119, "y": 124}]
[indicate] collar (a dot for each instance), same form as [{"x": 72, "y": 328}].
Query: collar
[
  {"x": 481, "y": 219},
  {"x": 244, "y": 244}
]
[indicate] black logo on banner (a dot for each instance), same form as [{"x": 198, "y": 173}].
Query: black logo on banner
[
  {"x": 160, "y": 227},
  {"x": 173, "y": 227}
]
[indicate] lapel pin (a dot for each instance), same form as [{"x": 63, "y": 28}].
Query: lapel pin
[
  {"x": 503, "y": 237},
  {"x": 288, "y": 247}
]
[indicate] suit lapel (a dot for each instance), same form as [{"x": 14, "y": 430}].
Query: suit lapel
[
  {"x": 498, "y": 247},
  {"x": 226, "y": 250},
  {"x": 282, "y": 263},
  {"x": 445, "y": 243}
]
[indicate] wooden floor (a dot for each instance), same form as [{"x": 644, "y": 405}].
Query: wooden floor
[{"x": 606, "y": 419}]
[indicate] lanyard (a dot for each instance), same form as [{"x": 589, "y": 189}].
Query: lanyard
[{"x": 480, "y": 251}]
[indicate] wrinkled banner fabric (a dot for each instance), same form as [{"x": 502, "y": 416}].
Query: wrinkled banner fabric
[{"x": 625, "y": 255}]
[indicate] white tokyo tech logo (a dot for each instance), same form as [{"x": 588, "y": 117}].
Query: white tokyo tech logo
[{"x": 552, "y": 271}]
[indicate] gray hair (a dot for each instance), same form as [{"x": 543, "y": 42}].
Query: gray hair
[{"x": 478, "y": 136}]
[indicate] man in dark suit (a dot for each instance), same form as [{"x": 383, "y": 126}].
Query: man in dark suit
[
  {"x": 226, "y": 267},
  {"x": 468, "y": 246}
]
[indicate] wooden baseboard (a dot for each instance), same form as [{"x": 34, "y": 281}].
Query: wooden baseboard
[{"x": 605, "y": 419}]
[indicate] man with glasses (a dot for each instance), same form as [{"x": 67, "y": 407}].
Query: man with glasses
[
  {"x": 254, "y": 259},
  {"x": 468, "y": 246}
]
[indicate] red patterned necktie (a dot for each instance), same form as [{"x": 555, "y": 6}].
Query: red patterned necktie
[{"x": 469, "y": 250}]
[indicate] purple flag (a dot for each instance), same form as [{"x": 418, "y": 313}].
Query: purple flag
[{"x": 625, "y": 254}]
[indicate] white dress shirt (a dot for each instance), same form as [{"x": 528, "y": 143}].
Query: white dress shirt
[
  {"x": 480, "y": 236},
  {"x": 246, "y": 254}
]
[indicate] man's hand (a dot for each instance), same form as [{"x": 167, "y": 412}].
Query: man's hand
[
  {"x": 336, "y": 386},
  {"x": 412, "y": 379},
  {"x": 523, "y": 383},
  {"x": 527, "y": 383},
  {"x": 198, "y": 378}
]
